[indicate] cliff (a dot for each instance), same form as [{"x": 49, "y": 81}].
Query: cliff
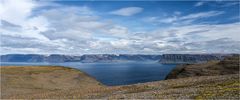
[
  {"x": 230, "y": 65},
  {"x": 189, "y": 58}
]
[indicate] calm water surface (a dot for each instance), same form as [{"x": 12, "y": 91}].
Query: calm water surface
[{"x": 116, "y": 73}]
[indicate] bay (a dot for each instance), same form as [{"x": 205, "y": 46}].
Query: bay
[{"x": 113, "y": 74}]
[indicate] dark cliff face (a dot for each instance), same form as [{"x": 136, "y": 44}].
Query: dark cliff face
[
  {"x": 232, "y": 62},
  {"x": 97, "y": 58},
  {"x": 84, "y": 58},
  {"x": 229, "y": 65},
  {"x": 58, "y": 58},
  {"x": 189, "y": 58}
]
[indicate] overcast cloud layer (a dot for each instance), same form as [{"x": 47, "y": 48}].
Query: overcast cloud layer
[{"x": 55, "y": 27}]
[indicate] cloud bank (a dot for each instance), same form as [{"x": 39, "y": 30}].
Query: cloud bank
[{"x": 47, "y": 27}]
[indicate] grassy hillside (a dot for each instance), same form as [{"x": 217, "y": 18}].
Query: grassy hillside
[
  {"x": 17, "y": 81},
  {"x": 230, "y": 65},
  {"x": 66, "y": 83}
]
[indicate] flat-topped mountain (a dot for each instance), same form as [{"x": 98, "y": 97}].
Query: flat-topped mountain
[
  {"x": 190, "y": 58},
  {"x": 83, "y": 58}
]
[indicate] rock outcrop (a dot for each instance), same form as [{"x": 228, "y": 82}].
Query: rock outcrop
[{"x": 230, "y": 65}]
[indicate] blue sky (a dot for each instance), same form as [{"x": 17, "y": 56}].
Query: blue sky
[{"x": 134, "y": 27}]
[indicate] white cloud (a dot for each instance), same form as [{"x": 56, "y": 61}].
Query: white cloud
[
  {"x": 217, "y": 45},
  {"x": 75, "y": 24},
  {"x": 202, "y": 15},
  {"x": 120, "y": 43},
  {"x": 168, "y": 20},
  {"x": 202, "y": 34},
  {"x": 128, "y": 11},
  {"x": 185, "y": 19},
  {"x": 157, "y": 20},
  {"x": 117, "y": 30},
  {"x": 177, "y": 39},
  {"x": 60, "y": 29},
  {"x": 16, "y": 11},
  {"x": 228, "y": 4},
  {"x": 199, "y": 4},
  {"x": 9, "y": 26},
  {"x": 208, "y": 32}
]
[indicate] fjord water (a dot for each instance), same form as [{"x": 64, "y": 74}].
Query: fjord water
[{"x": 113, "y": 74}]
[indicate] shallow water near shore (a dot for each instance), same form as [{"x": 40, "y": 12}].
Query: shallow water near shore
[{"x": 113, "y": 74}]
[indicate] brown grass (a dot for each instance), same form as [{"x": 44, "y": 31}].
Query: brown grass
[
  {"x": 42, "y": 79},
  {"x": 56, "y": 82}
]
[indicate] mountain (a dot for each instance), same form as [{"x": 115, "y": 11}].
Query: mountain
[
  {"x": 229, "y": 65},
  {"x": 190, "y": 58},
  {"x": 22, "y": 58},
  {"x": 84, "y": 58},
  {"x": 90, "y": 58},
  {"x": 118, "y": 58}
]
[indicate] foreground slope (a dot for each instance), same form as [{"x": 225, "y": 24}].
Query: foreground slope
[
  {"x": 35, "y": 79},
  {"x": 66, "y": 83}
]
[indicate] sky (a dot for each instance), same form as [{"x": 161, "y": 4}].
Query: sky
[{"x": 119, "y": 27}]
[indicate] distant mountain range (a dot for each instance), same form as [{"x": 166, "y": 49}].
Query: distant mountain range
[
  {"x": 83, "y": 58},
  {"x": 91, "y": 58}
]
